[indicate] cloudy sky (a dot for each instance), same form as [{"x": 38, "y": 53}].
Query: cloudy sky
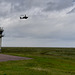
[{"x": 51, "y": 23}]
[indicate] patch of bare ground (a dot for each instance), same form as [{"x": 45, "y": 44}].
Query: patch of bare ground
[{"x": 4, "y": 57}]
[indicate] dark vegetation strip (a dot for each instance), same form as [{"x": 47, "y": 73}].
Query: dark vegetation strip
[{"x": 39, "y": 50}]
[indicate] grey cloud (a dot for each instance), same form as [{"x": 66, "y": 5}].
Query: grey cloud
[
  {"x": 12, "y": 7},
  {"x": 23, "y": 5},
  {"x": 58, "y": 5},
  {"x": 45, "y": 30},
  {"x": 4, "y": 9},
  {"x": 72, "y": 11},
  {"x": 20, "y": 5},
  {"x": 73, "y": 0}
]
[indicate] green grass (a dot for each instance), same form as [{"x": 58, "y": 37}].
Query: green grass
[{"x": 46, "y": 61}]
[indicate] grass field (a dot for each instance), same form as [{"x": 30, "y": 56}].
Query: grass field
[{"x": 46, "y": 61}]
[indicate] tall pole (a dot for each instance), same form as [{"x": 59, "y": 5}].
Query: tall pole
[{"x": 1, "y": 31}]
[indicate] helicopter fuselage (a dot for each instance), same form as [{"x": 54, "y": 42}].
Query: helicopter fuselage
[{"x": 24, "y": 17}]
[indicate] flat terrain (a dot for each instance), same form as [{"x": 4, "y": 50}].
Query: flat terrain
[
  {"x": 46, "y": 61},
  {"x": 4, "y": 57}
]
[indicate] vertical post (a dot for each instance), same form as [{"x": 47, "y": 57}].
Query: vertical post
[{"x": 1, "y": 31}]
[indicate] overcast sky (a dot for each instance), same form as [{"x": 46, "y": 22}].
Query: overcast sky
[{"x": 51, "y": 23}]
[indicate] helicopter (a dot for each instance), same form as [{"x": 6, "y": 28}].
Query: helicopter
[{"x": 23, "y": 17}]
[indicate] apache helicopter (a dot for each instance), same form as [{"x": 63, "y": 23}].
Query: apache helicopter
[{"x": 23, "y": 17}]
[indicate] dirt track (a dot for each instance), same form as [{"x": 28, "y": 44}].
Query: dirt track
[{"x": 4, "y": 57}]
